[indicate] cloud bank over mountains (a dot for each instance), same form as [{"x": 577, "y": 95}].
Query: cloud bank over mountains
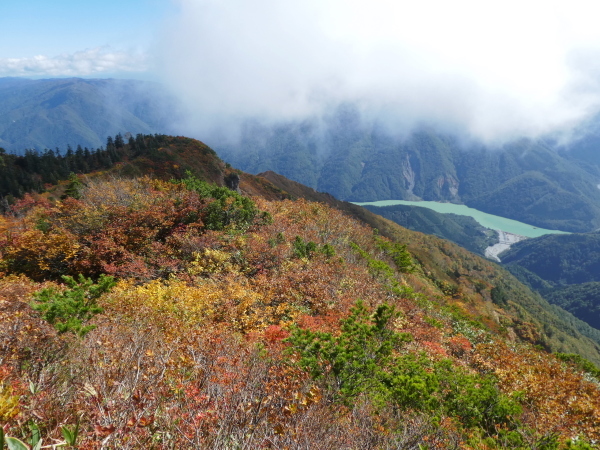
[
  {"x": 492, "y": 70},
  {"x": 94, "y": 61}
]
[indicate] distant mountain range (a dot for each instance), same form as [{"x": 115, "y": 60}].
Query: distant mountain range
[{"x": 40, "y": 114}]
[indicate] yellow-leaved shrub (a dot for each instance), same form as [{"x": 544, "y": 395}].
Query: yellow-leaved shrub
[
  {"x": 40, "y": 254},
  {"x": 173, "y": 301},
  {"x": 212, "y": 261},
  {"x": 9, "y": 403}
]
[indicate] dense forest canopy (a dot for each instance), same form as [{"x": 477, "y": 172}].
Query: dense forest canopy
[{"x": 564, "y": 269}]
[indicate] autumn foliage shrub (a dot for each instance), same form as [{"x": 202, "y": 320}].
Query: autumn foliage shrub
[
  {"x": 230, "y": 328},
  {"x": 126, "y": 228},
  {"x": 228, "y": 209}
]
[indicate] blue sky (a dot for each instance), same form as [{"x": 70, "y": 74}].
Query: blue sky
[
  {"x": 64, "y": 31},
  {"x": 490, "y": 67}
]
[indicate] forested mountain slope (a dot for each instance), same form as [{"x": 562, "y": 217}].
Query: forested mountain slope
[
  {"x": 582, "y": 147},
  {"x": 164, "y": 311},
  {"x": 559, "y": 259},
  {"x": 529, "y": 181},
  {"x": 565, "y": 269},
  {"x": 144, "y": 154},
  {"x": 582, "y": 300}
]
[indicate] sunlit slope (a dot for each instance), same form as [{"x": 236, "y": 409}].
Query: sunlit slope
[
  {"x": 459, "y": 270},
  {"x": 168, "y": 158}
]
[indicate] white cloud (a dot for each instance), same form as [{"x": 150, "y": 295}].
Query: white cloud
[
  {"x": 83, "y": 63},
  {"x": 495, "y": 69}
]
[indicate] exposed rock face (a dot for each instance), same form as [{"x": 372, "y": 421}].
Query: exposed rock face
[
  {"x": 505, "y": 240},
  {"x": 453, "y": 184},
  {"x": 232, "y": 181},
  {"x": 448, "y": 184},
  {"x": 409, "y": 175}
]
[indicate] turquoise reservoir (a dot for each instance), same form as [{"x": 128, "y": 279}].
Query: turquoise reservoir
[{"x": 485, "y": 219}]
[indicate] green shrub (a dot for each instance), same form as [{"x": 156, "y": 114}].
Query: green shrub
[
  {"x": 74, "y": 187},
  {"x": 580, "y": 363},
  {"x": 577, "y": 444},
  {"x": 229, "y": 209},
  {"x": 476, "y": 399},
  {"x": 380, "y": 269},
  {"x": 70, "y": 309},
  {"x": 365, "y": 358},
  {"x": 328, "y": 250},
  {"x": 499, "y": 296},
  {"x": 354, "y": 361},
  {"x": 399, "y": 255},
  {"x": 412, "y": 384},
  {"x": 304, "y": 249}
]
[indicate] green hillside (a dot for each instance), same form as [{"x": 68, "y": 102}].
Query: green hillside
[
  {"x": 558, "y": 259},
  {"x": 565, "y": 269},
  {"x": 581, "y": 300}
]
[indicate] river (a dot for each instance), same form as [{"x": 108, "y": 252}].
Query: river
[
  {"x": 485, "y": 219},
  {"x": 510, "y": 231}
]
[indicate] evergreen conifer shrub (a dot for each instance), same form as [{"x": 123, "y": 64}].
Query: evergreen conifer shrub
[{"x": 70, "y": 309}]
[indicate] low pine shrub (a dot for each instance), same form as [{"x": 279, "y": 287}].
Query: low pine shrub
[{"x": 68, "y": 310}]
